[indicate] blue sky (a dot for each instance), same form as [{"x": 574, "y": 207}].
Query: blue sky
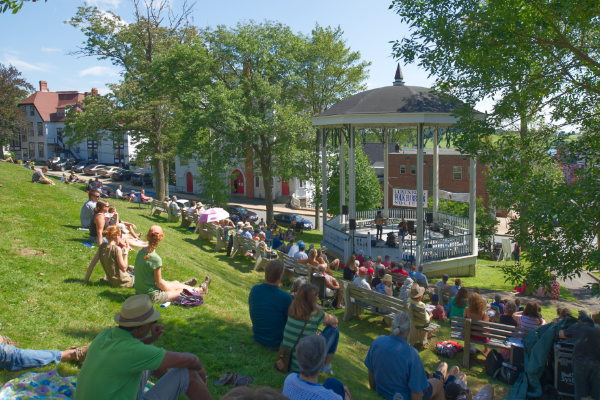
[{"x": 40, "y": 41}]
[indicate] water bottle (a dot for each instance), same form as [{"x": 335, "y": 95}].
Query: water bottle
[
  {"x": 86, "y": 244},
  {"x": 165, "y": 305}
]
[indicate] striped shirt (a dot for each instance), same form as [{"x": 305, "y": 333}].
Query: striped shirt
[
  {"x": 531, "y": 323},
  {"x": 293, "y": 329}
]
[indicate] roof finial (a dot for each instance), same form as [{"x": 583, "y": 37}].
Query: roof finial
[{"x": 398, "y": 79}]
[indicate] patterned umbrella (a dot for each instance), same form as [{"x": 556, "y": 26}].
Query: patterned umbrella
[{"x": 213, "y": 214}]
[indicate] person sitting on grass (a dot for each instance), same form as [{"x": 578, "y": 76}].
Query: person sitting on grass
[
  {"x": 119, "y": 193},
  {"x": 98, "y": 223},
  {"x": 507, "y": 319},
  {"x": 149, "y": 273},
  {"x": 73, "y": 178},
  {"x": 13, "y": 358},
  {"x": 305, "y": 313},
  {"x": 87, "y": 210},
  {"x": 351, "y": 268},
  {"x": 311, "y": 353},
  {"x": 127, "y": 228},
  {"x": 530, "y": 317},
  {"x": 562, "y": 313},
  {"x": 65, "y": 180},
  {"x": 395, "y": 367},
  {"x": 456, "y": 287},
  {"x": 331, "y": 283},
  {"x": 386, "y": 262},
  {"x": 113, "y": 260},
  {"x": 476, "y": 312},
  {"x": 438, "y": 313},
  {"x": 378, "y": 279},
  {"x": 498, "y": 303},
  {"x": 443, "y": 284},
  {"x": 39, "y": 177},
  {"x": 121, "y": 359},
  {"x": 269, "y": 308},
  {"x": 455, "y": 384}
]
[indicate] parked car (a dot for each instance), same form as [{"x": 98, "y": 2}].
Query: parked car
[
  {"x": 141, "y": 179},
  {"x": 123, "y": 175},
  {"x": 285, "y": 219},
  {"x": 64, "y": 164},
  {"x": 242, "y": 213},
  {"x": 51, "y": 160},
  {"x": 107, "y": 172},
  {"x": 93, "y": 169},
  {"x": 81, "y": 165}
]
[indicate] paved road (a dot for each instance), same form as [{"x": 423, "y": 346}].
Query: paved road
[{"x": 577, "y": 287}]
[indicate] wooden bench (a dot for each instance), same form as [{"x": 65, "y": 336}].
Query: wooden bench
[
  {"x": 386, "y": 303},
  {"x": 292, "y": 265},
  {"x": 242, "y": 245},
  {"x": 398, "y": 279},
  {"x": 209, "y": 231},
  {"x": 444, "y": 296},
  {"x": 157, "y": 208},
  {"x": 188, "y": 218},
  {"x": 499, "y": 335}
]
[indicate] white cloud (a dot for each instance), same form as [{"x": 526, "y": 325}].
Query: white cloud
[
  {"x": 22, "y": 65},
  {"x": 103, "y": 91},
  {"x": 98, "y": 71},
  {"x": 105, "y": 3},
  {"x": 50, "y": 50}
]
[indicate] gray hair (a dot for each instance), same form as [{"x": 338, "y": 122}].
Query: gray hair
[
  {"x": 420, "y": 269},
  {"x": 497, "y": 298},
  {"x": 310, "y": 354},
  {"x": 401, "y": 325},
  {"x": 357, "y": 263},
  {"x": 262, "y": 235},
  {"x": 511, "y": 307}
]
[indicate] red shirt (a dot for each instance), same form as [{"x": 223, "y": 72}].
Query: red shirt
[
  {"x": 360, "y": 259},
  {"x": 400, "y": 271},
  {"x": 387, "y": 263}
]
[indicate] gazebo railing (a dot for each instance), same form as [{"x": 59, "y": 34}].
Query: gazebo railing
[
  {"x": 337, "y": 240},
  {"x": 454, "y": 220},
  {"x": 448, "y": 247},
  {"x": 362, "y": 242},
  {"x": 399, "y": 213}
]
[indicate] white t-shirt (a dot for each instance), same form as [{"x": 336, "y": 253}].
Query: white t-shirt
[
  {"x": 300, "y": 255},
  {"x": 293, "y": 250},
  {"x": 119, "y": 193}
]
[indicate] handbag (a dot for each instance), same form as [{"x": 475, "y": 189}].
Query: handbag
[{"x": 285, "y": 355}]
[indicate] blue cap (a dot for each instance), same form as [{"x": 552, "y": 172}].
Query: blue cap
[{"x": 301, "y": 245}]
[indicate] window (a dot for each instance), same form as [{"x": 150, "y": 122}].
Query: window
[
  {"x": 60, "y": 112},
  {"x": 31, "y": 149},
  {"x": 457, "y": 173},
  {"x": 32, "y": 111},
  {"x": 59, "y": 133},
  {"x": 300, "y": 184},
  {"x": 40, "y": 129},
  {"x": 41, "y": 150},
  {"x": 403, "y": 169},
  {"x": 25, "y": 154},
  {"x": 92, "y": 150},
  {"x": 256, "y": 181},
  {"x": 468, "y": 174},
  {"x": 31, "y": 130},
  {"x": 413, "y": 169}
]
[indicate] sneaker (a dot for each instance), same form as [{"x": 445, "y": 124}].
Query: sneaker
[{"x": 327, "y": 369}]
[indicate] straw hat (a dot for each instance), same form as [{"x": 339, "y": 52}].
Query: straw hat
[
  {"x": 247, "y": 225},
  {"x": 387, "y": 278},
  {"x": 416, "y": 291},
  {"x": 324, "y": 249},
  {"x": 137, "y": 311}
]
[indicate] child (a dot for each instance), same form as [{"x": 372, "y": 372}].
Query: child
[
  {"x": 518, "y": 304},
  {"x": 412, "y": 270},
  {"x": 378, "y": 264},
  {"x": 498, "y": 303},
  {"x": 438, "y": 313},
  {"x": 387, "y": 262}
]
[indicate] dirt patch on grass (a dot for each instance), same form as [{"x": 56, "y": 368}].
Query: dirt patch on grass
[
  {"x": 17, "y": 240},
  {"x": 27, "y": 252}
]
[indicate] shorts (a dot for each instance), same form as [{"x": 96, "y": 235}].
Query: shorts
[
  {"x": 428, "y": 392},
  {"x": 159, "y": 297},
  {"x": 169, "y": 387},
  {"x": 94, "y": 239}
]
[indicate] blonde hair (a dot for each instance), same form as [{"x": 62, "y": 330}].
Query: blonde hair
[
  {"x": 378, "y": 259},
  {"x": 312, "y": 254},
  {"x": 476, "y": 304},
  {"x": 154, "y": 239},
  {"x": 111, "y": 233}
]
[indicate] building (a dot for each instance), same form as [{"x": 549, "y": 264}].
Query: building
[
  {"x": 46, "y": 112},
  {"x": 244, "y": 183}
]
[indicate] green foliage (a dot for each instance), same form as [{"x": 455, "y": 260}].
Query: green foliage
[
  {"x": 13, "y": 89},
  {"x": 369, "y": 195},
  {"x": 11, "y": 5}
]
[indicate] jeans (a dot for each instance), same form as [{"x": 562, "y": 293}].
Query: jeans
[
  {"x": 15, "y": 359},
  {"x": 586, "y": 378},
  {"x": 335, "y": 386},
  {"x": 379, "y": 232},
  {"x": 332, "y": 336},
  {"x": 447, "y": 309},
  {"x": 169, "y": 387}
]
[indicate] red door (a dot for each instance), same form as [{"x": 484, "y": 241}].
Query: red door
[
  {"x": 237, "y": 182},
  {"x": 190, "y": 182},
  {"x": 285, "y": 189}
]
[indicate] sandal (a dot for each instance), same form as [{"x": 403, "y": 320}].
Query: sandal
[
  {"x": 80, "y": 353},
  {"x": 225, "y": 379},
  {"x": 242, "y": 381},
  {"x": 9, "y": 341},
  {"x": 205, "y": 285},
  {"x": 192, "y": 282}
]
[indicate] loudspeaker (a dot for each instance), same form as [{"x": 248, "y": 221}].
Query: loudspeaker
[
  {"x": 411, "y": 226},
  {"x": 352, "y": 224},
  {"x": 345, "y": 209},
  {"x": 446, "y": 232},
  {"x": 429, "y": 217}
]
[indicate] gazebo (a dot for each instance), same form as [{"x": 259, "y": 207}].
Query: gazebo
[{"x": 392, "y": 107}]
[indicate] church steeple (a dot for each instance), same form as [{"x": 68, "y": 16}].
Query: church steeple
[{"x": 398, "y": 79}]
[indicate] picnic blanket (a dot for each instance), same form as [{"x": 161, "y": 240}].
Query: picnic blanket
[{"x": 42, "y": 386}]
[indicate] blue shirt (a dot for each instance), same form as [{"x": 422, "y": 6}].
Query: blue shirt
[
  {"x": 500, "y": 306},
  {"x": 247, "y": 234},
  {"x": 396, "y": 366},
  {"x": 300, "y": 255},
  {"x": 454, "y": 289},
  {"x": 276, "y": 243},
  {"x": 269, "y": 307},
  {"x": 420, "y": 276}
]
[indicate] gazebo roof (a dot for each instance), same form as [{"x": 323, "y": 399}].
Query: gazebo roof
[{"x": 390, "y": 106}]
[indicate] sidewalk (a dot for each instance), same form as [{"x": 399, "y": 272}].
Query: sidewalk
[{"x": 503, "y": 226}]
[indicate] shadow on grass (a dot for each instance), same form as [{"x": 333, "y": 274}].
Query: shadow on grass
[
  {"x": 241, "y": 264},
  {"x": 86, "y": 334},
  {"x": 116, "y": 297},
  {"x": 72, "y": 226}
]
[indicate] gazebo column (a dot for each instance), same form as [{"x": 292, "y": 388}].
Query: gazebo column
[
  {"x": 419, "y": 222},
  {"x": 342, "y": 160},
  {"x": 436, "y": 174},
  {"x": 473, "y": 204},
  {"x": 386, "y": 200},
  {"x": 323, "y": 138},
  {"x": 351, "y": 183}
]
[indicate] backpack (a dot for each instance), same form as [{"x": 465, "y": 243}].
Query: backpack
[
  {"x": 497, "y": 369},
  {"x": 189, "y": 299},
  {"x": 448, "y": 348}
]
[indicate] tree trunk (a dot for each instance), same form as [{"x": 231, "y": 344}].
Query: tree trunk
[
  {"x": 159, "y": 176},
  {"x": 166, "y": 165},
  {"x": 523, "y": 225}
]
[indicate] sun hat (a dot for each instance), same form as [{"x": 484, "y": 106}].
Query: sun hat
[
  {"x": 387, "y": 278},
  {"x": 324, "y": 249},
  {"x": 247, "y": 225},
  {"x": 137, "y": 311},
  {"x": 416, "y": 291},
  {"x": 361, "y": 252},
  {"x": 362, "y": 271}
]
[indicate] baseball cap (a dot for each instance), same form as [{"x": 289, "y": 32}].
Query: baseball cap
[
  {"x": 301, "y": 244},
  {"x": 362, "y": 271},
  {"x": 452, "y": 391}
]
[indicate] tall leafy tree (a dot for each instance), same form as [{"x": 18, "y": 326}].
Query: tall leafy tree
[
  {"x": 13, "y": 89},
  {"x": 134, "y": 106},
  {"x": 537, "y": 59}
]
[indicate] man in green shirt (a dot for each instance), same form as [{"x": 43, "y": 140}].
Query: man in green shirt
[{"x": 121, "y": 359}]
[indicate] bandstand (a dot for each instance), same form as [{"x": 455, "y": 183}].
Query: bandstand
[{"x": 452, "y": 250}]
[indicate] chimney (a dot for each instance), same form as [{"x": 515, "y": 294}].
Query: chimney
[
  {"x": 44, "y": 86},
  {"x": 397, "y": 147},
  {"x": 94, "y": 91}
]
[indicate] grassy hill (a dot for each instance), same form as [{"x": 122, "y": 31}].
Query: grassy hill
[{"x": 46, "y": 306}]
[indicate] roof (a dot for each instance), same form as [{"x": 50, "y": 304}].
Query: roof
[
  {"x": 375, "y": 152},
  {"x": 429, "y": 152},
  {"x": 46, "y": 103}
]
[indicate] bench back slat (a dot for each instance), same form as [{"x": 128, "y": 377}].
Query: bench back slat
[{"x": 386, "y": 303}]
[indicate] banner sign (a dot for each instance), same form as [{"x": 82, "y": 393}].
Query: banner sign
[
  {"x": 464, "y": 197},
  {"x": 408, "y": 198}
]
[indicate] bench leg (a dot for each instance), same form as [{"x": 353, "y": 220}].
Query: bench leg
[
  {"x": 467, "y": 349},
  {"x": 219, "y": 245},
  {"x": 257, "y": 264},
  {"x": 350, "y": 310},
  {"x": 197, "y": 230}
]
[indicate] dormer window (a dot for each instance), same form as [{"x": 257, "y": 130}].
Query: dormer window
[{"x": 60, "y": 112}]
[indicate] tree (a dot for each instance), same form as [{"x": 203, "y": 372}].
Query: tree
[
  {"x": 329, "y": 72},
  {"x": 368, "y": 191},
  {"x": 134, "y": 106},
  {"x": 12, "y": 5},
  {"x": 13, "y": 89},
  {"x": 539, "y": 61}
]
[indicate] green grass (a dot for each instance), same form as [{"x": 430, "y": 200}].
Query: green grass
[{"x": 45, "y": 305}]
